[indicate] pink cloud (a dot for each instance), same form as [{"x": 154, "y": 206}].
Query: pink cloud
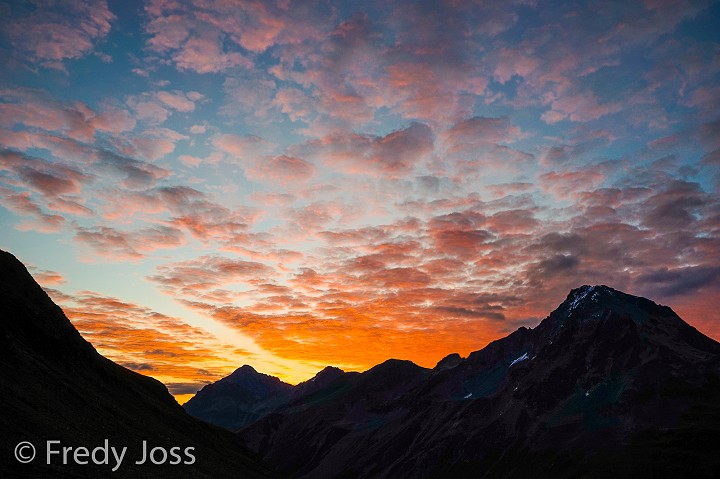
[
  {"x": 280, "y": 169},
  {"x": 395, "y": 154},
  {"x": 70, "y": 206},
  {"x": 189, "y": 160},
  {"x": 207, "y": 272},
  {"x": 206, "y": 37},
  {"x": 513, "y": 62},
  {"x": 117, "y": 245},
  {"x": 148, "y": 109},
  {"x": 242, "y": 147},
  {"x": 295, "y": 103},
  {"x": 178, "y": 101},
  {"x": 156, "y": 107},
  {"x": 134, "y": 174},
  {"x": 53, "y": 33},
  {"x": 36, "y": 109},
  {"x": 480, "y": 131},
  {"x": 23, "y": 205},
  {"x": 113, "y": 120},
  {"x": 50, "y": 179},
  {"x": 250, "y": 92},
  {"x": 580, "y": 107},
  {"x": 431, "y": 92},
  {"x": 571, "y": 184},
  {"x": 205, "y": 54},
  {"x": 182, "y": 208},
  {"x": 150, "y": 144}
]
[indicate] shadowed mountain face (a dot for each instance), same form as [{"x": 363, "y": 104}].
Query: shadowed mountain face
[
  {"x": 246, "y": 396},
  {"x": 55, "y": 386},
  {"x": 609, "y": 385},
  {"x": 239, "y": 399}
]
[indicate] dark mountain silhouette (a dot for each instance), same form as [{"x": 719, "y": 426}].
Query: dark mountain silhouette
[
  {"x": 246, "y": 396},
  {"x": 55, "y": 386},
  {"x": 239, "y": 399},
  {"x": 608, "y": 385}
]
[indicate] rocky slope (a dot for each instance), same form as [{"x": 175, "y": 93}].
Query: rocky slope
[{"x": 55, "y": 386}]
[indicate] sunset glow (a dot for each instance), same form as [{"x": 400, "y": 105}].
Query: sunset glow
[{"x": 202, "y": 184}]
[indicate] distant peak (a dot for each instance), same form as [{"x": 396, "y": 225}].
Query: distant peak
[
  {"x": 328, "y": 373},
  {"x": 449, "y": 361}
]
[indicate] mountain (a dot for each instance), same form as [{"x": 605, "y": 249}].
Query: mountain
[
  {"x": 608, "y": 385},
  {"x": 55, "y": 386},
  {"x": 246, "y": 396},
  {"x": 238, "y": 399}
]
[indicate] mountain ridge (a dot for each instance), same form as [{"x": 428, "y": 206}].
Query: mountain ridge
[{"x": 616, "y": 383}]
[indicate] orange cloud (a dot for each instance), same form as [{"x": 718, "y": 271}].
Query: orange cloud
[{"x": 183, "y": 357}]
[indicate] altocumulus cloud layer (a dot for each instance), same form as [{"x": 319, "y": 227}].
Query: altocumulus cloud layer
[{"x": 343, "y": 182}]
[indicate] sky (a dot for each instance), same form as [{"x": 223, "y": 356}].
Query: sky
[{"x": 202, "y": 184}]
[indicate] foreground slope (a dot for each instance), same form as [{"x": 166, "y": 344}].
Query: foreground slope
[
  {"x": 609, "y": 385},
  {"x": 55, "y": 386}
]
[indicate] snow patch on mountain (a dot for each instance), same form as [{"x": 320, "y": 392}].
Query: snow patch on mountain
[{"x": 521, "y": 358}]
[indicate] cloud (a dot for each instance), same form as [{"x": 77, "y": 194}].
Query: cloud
[
  {"x": 113, "y": 120},
  {"x": 242, "y": 148},
  {"x": 395, "y": 154},
  {"x": 208, "y": 272},
  {"x": 479, "y": 131},
  {"x": 281, "y": 169},
  {"x": 36, "y": 109},
  {"x": 579, "y": 107},
  {"x": 675, "y": 207},
  {"x": 51, "y": 33},
  {"x": 135, "y": 174},
  {"x": 47, "y": 277},
  {"x": 185, "y": 388},
  {"x": 157, "y": 106},
  {"x": 50, "y": 179},
  {"x": 117, "y": 245},
  {"x": 147, "y": 341},
  {"x": 205, "y": 54},
  {"x": 210, "y": 37},
  {"x": 178, "y": 100},
  {"x": 679, "y": 281},
  {"x": 566, "y": 184},
  {"x": 462, "y": 243},
  {"x": 23, "y": 205}
]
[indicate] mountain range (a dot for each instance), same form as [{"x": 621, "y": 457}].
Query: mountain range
[{"x": 608, "y": 385}]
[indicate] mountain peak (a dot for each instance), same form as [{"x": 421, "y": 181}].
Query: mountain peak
[
  {"x": 244, "y": 370},
  {"x": 592, "y": 302},
  {"x": 578, "y": 297},
  {"x": 449, "y": 361}
]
